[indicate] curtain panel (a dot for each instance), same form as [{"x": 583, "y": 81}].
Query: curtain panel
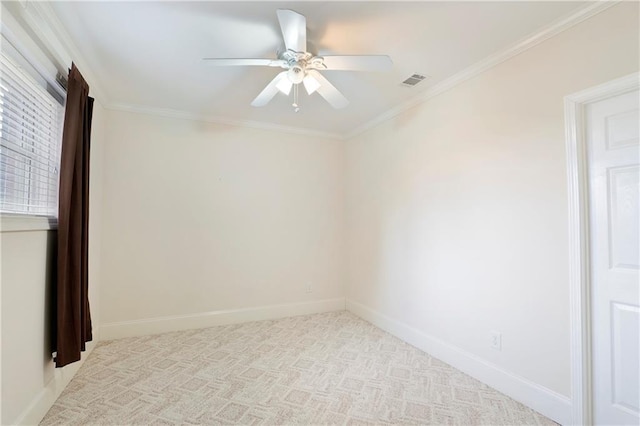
[{"x": 73, "y": 316}]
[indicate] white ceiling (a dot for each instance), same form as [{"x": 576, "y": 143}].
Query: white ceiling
[{"x": 148, "y": 54}]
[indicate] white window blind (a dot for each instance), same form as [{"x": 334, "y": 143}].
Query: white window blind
[{"x": 30, "y": 136}]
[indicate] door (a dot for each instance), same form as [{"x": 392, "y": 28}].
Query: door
[{"x": 613, "y": 158}]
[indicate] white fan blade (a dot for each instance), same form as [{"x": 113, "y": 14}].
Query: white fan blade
[
  {"x": 328, "y": 91},
  {"x": 226, "y": 62},
  {"x": 358, "y": 63},
  {"x": 294, "y": 29},
  {"x": 270, "y": 91},
  {"x": 285, "y": 85},
  {"x": 310, "y": 84}
]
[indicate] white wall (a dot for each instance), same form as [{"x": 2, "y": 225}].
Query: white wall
[
  {"x": 201, "y": 217},
  {"x": 457, "y": 209},
  {"x": 26, "y": 296},
  {"x": 30, "y": 383}
]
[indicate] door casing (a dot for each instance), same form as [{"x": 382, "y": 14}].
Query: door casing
[{"x": 579, "y": 266}]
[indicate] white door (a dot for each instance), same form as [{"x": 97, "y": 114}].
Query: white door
[{"x": 613, "y": 152}]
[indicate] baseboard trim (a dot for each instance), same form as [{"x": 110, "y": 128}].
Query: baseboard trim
[
  {"x": 117, "y": 330},
  {"x": 545, "y": 401},
  {"x": 45, "y": 399}
]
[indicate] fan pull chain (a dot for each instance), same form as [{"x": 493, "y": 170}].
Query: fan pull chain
[{"x": 295, "y": 105}]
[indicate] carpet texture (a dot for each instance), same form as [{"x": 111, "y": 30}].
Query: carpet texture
[{"x": 331, "y": 368}]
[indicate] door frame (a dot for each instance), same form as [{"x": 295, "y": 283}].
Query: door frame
[{"x": 579, "y": 240}]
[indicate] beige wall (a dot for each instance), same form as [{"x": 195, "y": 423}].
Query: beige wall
[
  {"x": 26, "y": 293},
  {"x": 457, "y": 209},
  {"x": 200, "y": 217},
  {"x": 30, "y": 382}
]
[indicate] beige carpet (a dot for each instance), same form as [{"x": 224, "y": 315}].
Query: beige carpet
[{"x": 331, "y": 368}]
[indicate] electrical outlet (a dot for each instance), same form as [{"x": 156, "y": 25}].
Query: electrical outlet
[
  {"x": 496, "y": 340},
  {"x": 309, "y": 287}
]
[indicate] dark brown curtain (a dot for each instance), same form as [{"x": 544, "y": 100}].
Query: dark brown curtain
[{"x": 73, "y": 318}]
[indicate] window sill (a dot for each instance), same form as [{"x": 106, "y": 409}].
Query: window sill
[{"x": 25, "y": 223}]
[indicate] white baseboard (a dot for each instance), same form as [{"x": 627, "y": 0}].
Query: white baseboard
[
  {"x": 545, "y": 401},
  {"x": 117, "y": 330},
  {"x": 38, "y": 408}
]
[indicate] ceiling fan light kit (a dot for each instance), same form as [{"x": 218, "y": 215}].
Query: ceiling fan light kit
[{"x": 303, "y": 67}]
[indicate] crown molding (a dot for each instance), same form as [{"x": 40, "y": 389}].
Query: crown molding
[
  {"x": 184, "y": 115},
  {"x": 545, "y": 33},
  {"x": 43, "y": 21},
  {"x": 48, "y": 25}
]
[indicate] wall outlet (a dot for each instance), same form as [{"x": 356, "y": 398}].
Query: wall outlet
[
  {"x": 309, "y": 287},
  {"x": 496, "y": 340}
]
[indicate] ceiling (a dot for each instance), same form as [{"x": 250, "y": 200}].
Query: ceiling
[{"x": 148, "y": 54}]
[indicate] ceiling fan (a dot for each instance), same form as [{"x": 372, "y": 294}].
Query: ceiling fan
[{"x": 303, "y": 67}]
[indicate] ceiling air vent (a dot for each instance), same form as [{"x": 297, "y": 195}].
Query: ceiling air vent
[{"x": 413, "y": 80}]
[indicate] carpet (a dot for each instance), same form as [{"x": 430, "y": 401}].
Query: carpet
[{"x": 330, "y": 368}]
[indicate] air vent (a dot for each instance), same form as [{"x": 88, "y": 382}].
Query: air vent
[{"x": 413, "y": 80}]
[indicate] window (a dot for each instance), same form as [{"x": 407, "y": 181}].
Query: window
[{"x": 30, "y": 135}]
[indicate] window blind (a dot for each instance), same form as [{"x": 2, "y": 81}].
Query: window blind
[{"x": 30, "y": 135}]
